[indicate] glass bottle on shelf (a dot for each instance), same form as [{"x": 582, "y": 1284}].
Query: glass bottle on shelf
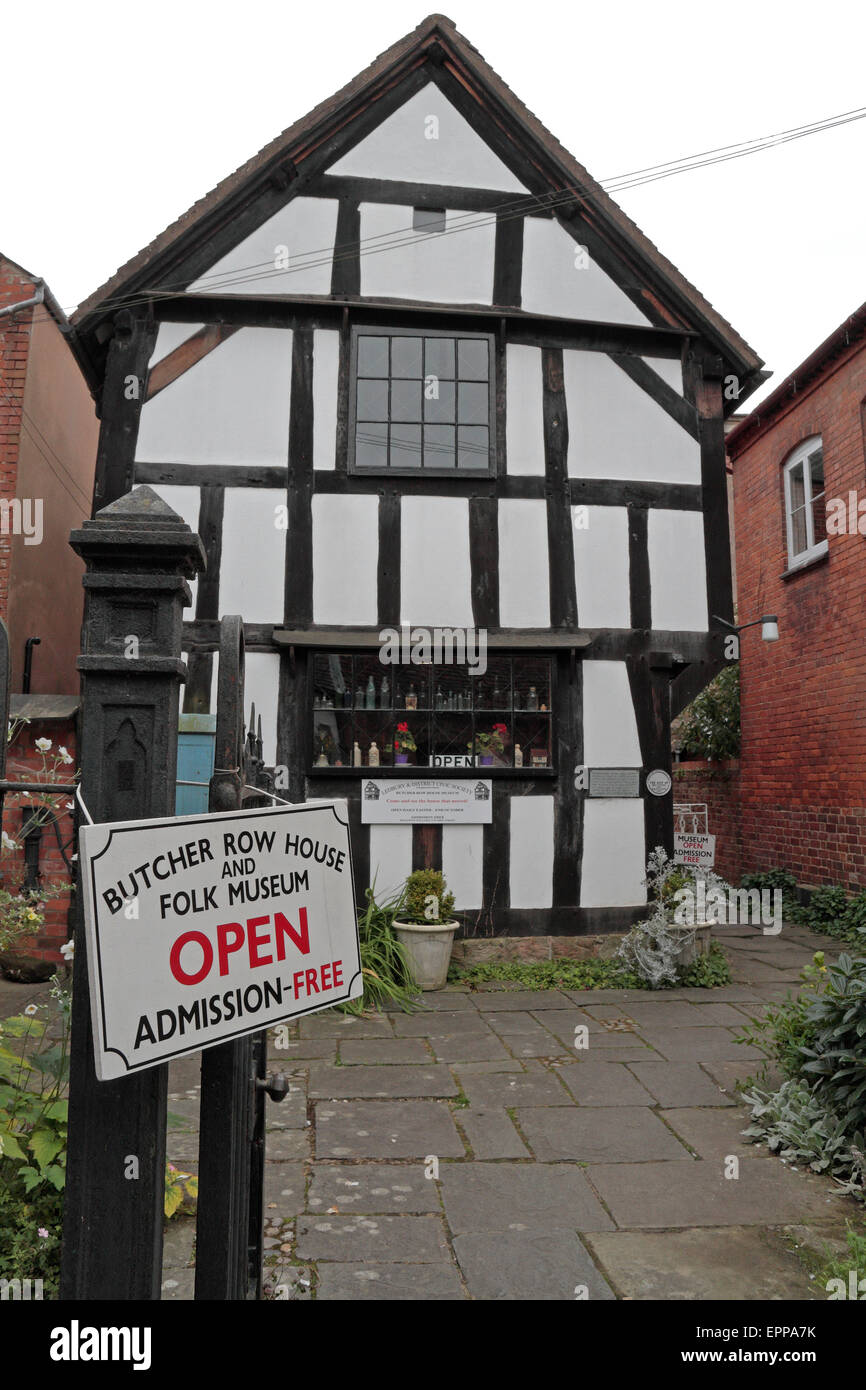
[
  {"x": 373, "y": 759},
  {"x": 359, "y": 696},
  {"x": 412, "y": 697},
  {"x": 440, "y": 698},
  {"x": 496, "y": 697},
  {"x": 518, "y": 755},
  {"x": 385, "y": 694},
  {"x": 347, "y": 698},
  {"x": 371, "y": 694},
  {"x": 532, "y": 698},
  {"x": 357, "y": 760}
]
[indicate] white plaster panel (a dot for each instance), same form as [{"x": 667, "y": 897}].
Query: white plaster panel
[
  {"x": 412, "y": 147},
  {"x": 253, "y": 565},
  {"x": 463, "y": 864},
  {"x": 186, "y": 501},
  {"x": 610, "y": 737},
  {"x": 524, "y": 572},
  {"x": 454, "y": 266},
  {"x": 678, "y": 579},
  {"x": 524, "y": 429},
  {"x": 601, "y": 566},
  {"x": 616, "y": 430},
  {"x": 435, "y": 575},
  {"x": 559, "y": 280},
  {"x": 531, "y": 851},
  {"x": 390, "y": 859},
  {"x": 614, "y": 853},
  {"x": 670, "y": 369},
  {"x": 326, "y": 366},
  {"x": 232, "y": 407},
  {"x": 170, "y": 336},
  {"x": 345, "y": 559},
  {"x": 299, "y": 238}
]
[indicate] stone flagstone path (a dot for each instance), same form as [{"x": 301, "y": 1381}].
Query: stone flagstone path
[{"x": 471, "y": 1151}]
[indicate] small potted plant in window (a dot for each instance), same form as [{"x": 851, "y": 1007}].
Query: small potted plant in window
[
  {"x": 484, "y": 746},
  {"x": 425, "y": 928},
  {"x": 404, "y": 744}
]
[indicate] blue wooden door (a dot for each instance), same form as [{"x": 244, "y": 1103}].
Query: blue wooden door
[{"x": 195, "y": 759}]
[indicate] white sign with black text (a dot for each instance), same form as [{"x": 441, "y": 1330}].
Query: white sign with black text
[
  {"x": 697, "y": 850},
  {"x": 209, "y": 927},
  {"x": 426, "y": 801}
]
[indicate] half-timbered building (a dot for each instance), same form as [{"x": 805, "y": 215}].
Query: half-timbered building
[{"x": 410, "y": 367}]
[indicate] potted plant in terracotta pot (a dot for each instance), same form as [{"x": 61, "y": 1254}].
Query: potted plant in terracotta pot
[
  {"x": 404, "y": 744},
  {"x": 484, "y": 746},
  {"x": 425, "y": 928}
]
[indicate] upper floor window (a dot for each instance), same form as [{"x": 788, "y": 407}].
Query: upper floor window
[
  {"x": 805, "y": 503},
  {"x": 421, "y": 403}
]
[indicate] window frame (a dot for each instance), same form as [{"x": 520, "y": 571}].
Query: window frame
[
  {"x": 800, "y": 458},
  {"x": 359, "y": 330}
]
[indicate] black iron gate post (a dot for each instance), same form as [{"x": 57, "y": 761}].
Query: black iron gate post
[{"x": 139, "y": 556}]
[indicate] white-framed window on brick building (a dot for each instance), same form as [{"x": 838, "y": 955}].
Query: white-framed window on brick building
[{"x": 805, "y": 503}]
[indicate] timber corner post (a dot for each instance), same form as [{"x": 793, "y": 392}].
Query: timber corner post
[{"x": 139, "y": 556}]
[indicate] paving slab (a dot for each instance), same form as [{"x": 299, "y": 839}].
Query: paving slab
[
  {"x": 386, "y": 1129},
  {"x": 444, "y": 1024},
  {"x": 503, "y": 1064},
  {"x": 563, "y": 1022},
  {"x": 177, "y": 1243},
  {"x": 757, "y": 972},
  {"x": 522, "y": 999},
  {"x": 369, "y": 1282},
  {"x": 741, "y": 1263},
  {"x": 388, "y": 1051},
  {"x": 291, "y": 1111},
  {"x": 619, "y": 1047},
  {"x": 332, "y": 1024},
  {"x": 345, "y": 1083},
  {"x": 712, "y": 1133},
  {"x": 282, "y": 1144},
  {"x": 726, "y": 993},
  {"x": 678, "y": 1084},
  {"x": 549, "y": 1266},
  {"x": 179, "y": 1284},
  {"x": 514, "y": 1021},
  {"x": 491, "y": 1134},
  {"x": 697, "y": 1044},
  {"x": 728, "y": 1074},
  {"x": 373, "y": 1187},
  {"x": 302, "y": 1050},
  {"x": 506, "y": 1089},
  {"x": 284, "y": 1188},
  {"x": 604, "y": 1083},
  {"x": 586, "y": 1134},
  {"x": 520, "y": 1196},
  {"x": 604, "y": 996},
  {"x": 541, "y": 1044},
  {"x": 483, "y": 1047},
  {"x": 766, "y": 1193},
  {"x": 382, "y": 1238},
  {"x": 181, "y": 1145},
  {"x": 447, "y": 1000}
]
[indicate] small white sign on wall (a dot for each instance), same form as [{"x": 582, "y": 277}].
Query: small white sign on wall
[
  {"x": 699, "y": 851},
  {"x": 426, "y": 801},
  {"x": 209, "y": 927}
]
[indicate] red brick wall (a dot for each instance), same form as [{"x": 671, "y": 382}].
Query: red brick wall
[
  {"x": 718, "y": 786},
  {"x": 14, "y": 346},
  {"x": 803, "y": 759},
  {"x": 25, "y": 761}
]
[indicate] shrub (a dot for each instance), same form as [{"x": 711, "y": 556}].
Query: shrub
[
  {"x": 710, "y": 726},
  {"x": 795, "y": 1124},
  {"x": 778, "y": 878},
  {"x": 834, "y": 1056},
  {"x": 384, "y": 966},
  {"x": 426, "y": 899}
]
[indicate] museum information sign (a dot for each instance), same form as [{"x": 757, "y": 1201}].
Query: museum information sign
[
  {"x": 205, "y": 928},
  {"x": 697, "y": 850},
  {"x": 426, "y": 801}
]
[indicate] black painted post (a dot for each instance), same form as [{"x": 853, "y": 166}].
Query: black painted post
[{"x": 139, "y": 556}]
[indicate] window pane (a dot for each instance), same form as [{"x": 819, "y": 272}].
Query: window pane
[
  {"x": 473, "y": 403},
  {"x": 797, "y": 487},
  {"x": 472, "y": 359},
  {"x": 373, "y": 356},
  {"x": 332, "y": 682},
  {"x": 439, "y": 402},
  {"x": 406, "y": 401},
  {"x": 371, "y": 446},
  {"x": 439, "y": 357},
  {"x": 372, "y": 400},
  {"x": 819, "y": 518},
  {"x": 799, "y": 540},
  {"x": 439, "y": 446},
  {"x": 405, "y": 446},
  {"x": 473, "y": 447},
  {"x": 406, "y": 357},
  {"x": 816, "y": 471},
  {"x": 493, "y": 689}
]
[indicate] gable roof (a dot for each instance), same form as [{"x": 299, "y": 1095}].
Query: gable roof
[{"x": 436, "y": 41}]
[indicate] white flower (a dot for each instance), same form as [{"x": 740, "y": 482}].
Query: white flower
[
  {"x": 43, "y": 744},
  {"x": 31, "y": 1010},
  {"x": 65, "y": 756},
  {"x": 8, "y": 842},
  {"x": 67, "y": 950}
]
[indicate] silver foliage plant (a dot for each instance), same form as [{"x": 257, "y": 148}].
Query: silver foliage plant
[
  {"x": 795, "y": 1124},
  {"x": 652, "y": 948}
]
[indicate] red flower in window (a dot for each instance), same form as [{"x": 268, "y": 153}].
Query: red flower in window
[{"x": 402, "y": 728}]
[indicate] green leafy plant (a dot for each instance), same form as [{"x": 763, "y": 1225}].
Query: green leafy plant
[
  {"x": 595, "y": 972},
  {"x": 404, "y": 740},
  {"x": 387, "y": 977},
  {"x": 33, "y": 1110},
  {"x": 426, "y": 899},
  {"x": 181, "y": 1192},
  {"x": 834, "y": 1055},
  {"x": 783, "y": 1028},
  {"x": 492, "y": 742},
  {"x": 795, "y": 1123},
  {"x": 772, "y": 879},
  {"x": 710, "y": 725}
]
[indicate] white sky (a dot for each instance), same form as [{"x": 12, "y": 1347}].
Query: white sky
[{"x": 117, "y": 117}]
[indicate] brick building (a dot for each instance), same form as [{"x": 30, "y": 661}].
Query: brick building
[
  {"x": 800, "y": 522},
  {"x": 48, "y": 437}
]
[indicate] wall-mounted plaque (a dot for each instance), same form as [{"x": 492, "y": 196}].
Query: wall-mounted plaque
[
  {"x": 426, "y": 801},
  {"x": 614, "y": 781}
]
